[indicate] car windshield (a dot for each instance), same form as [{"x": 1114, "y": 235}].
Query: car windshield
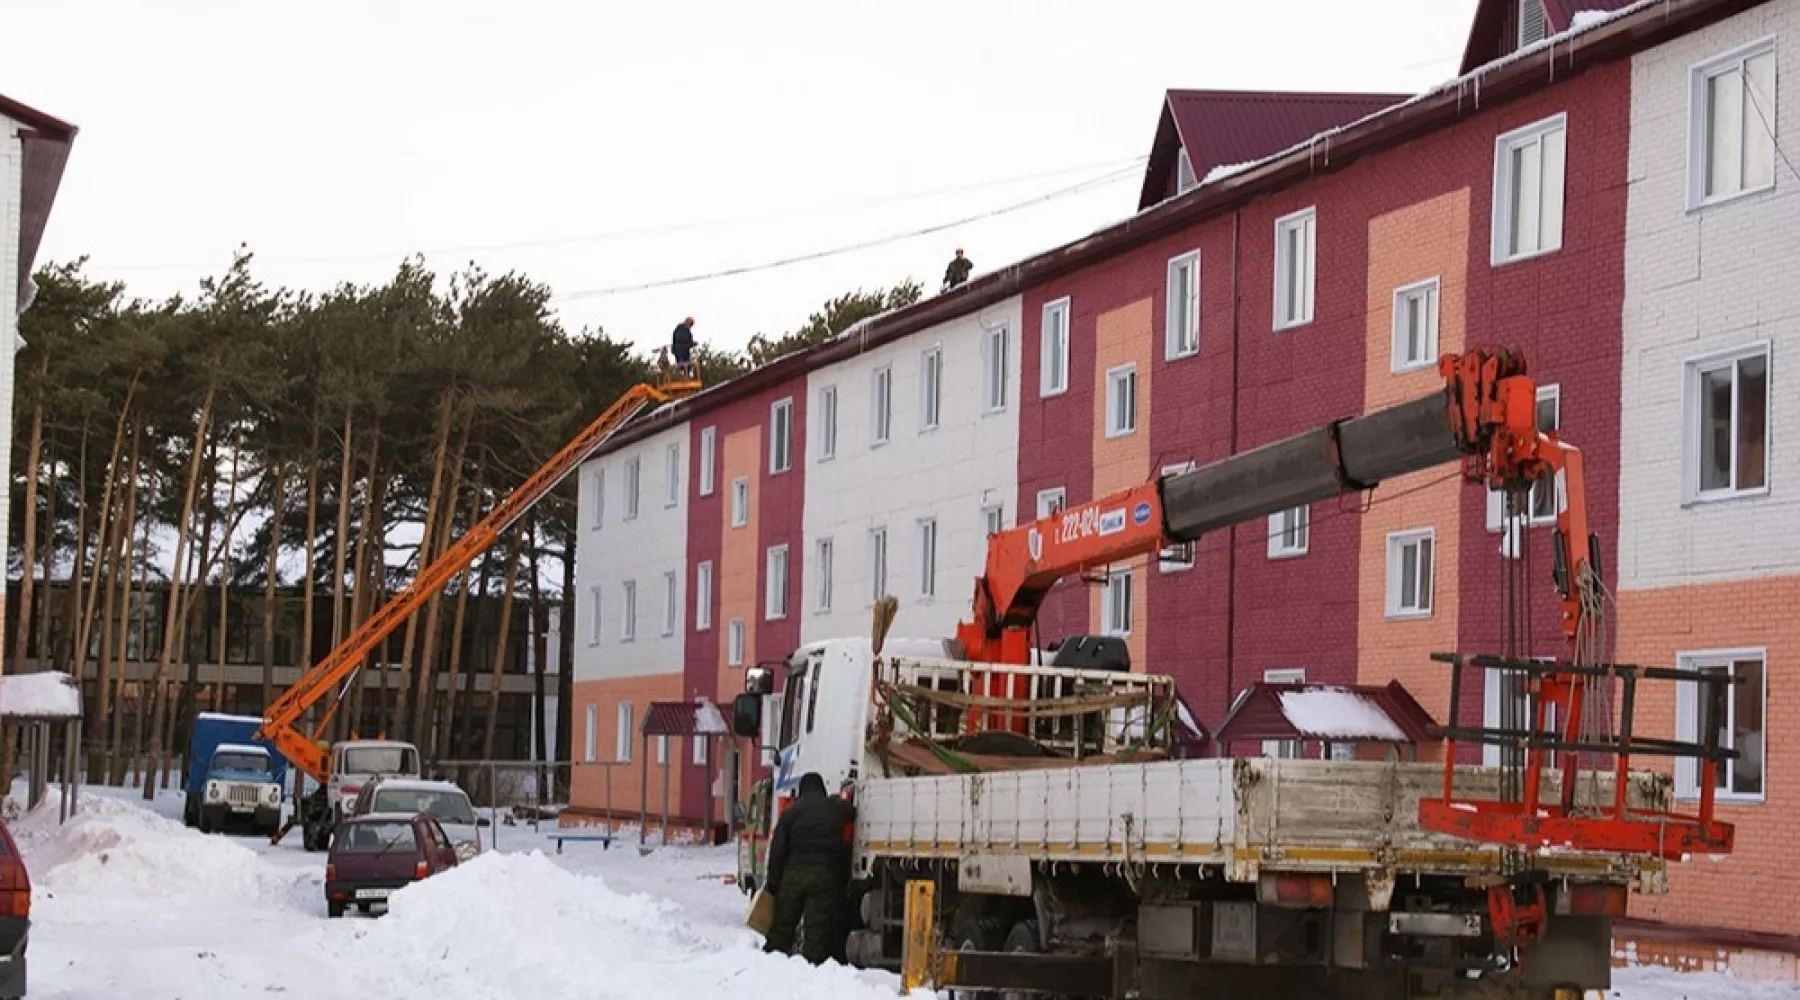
[
  {"x": 373, "y": 838},
  {"x": 380, "y": 760},
  {"x": 238, "y": 760},
  {"x": 447, "y": 806}
]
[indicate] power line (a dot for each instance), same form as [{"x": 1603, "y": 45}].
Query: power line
[
  {"x": 1094, "y": 183},
  {"x": 1130, "y": 164}
]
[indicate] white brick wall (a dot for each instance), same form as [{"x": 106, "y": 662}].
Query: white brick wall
[
  {"x": 949, "y": 473},
  {"x": 12, "y": 181},
  {"x": 641, "y": 550},
  {"x": 1696, "y": 283}
]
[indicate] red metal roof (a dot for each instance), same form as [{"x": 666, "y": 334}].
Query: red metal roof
[
  {"x": 683, "y": 718},
  {"x": 1306, "y": 712},
  {"x": 1494, "y": 31},
  {"x": 46, "y": 141},
  {"x": 1224, "y": 127}
]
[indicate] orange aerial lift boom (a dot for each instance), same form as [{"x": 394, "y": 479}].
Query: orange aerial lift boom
[{"x": 282, "y": 719}]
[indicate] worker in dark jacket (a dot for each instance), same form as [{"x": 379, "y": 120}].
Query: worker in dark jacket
[
  {"x": 808, "y": 869},
  {"x": 682, "y": 346},
  {"x": 958, "y": 271}
]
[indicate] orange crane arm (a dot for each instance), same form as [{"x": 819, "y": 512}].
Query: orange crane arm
[{"x": 281, "y": 718}]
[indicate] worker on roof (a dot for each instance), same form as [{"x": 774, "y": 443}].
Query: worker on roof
[
  {"x": 958, "y": 271},
  {"x": 809, "y": 869},
  {"x": 682, "y": 346}
]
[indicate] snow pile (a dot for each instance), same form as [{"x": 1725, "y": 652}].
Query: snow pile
[
  {"x": 519, "y": 925},
  {"x": 45, "y": 694},
  {"x": 1334, "y": 713}
]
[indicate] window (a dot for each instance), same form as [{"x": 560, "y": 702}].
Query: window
[
  {"x": 708, "y": 439},
  {"x": 993, "y": 520},
  {"x": 881, "y": 404},
  {"x": 672, "y": 475},
  {"x": 1053, "y": 354},
  {"x": 1288, "y": 532},
  {"x": 1528, "y": 190},
  {"x": 771, "y": 728},
  {"x": 599, "y": 506},
  {"x": 1050, "y": 501},
  {"x": 1732, "y": 134},
  {"x": 622, "y": 740},
  {"x": 590, "y": 737},
  {"x": 703, "y": 586},
  {"x": 877, "y": 564},
  {"x": 775, "y": 583},
  {"x": 632, "y": 477},
  {"x": 1181, "y": 334},
  {"x": 1506, "y": 705},
  {"x": 1533, "y": 25},
  {"x": 931, "y": 379},
  {"x": 822, "y": 563},
  {"x": 700, "y": 742},
  {"x": 594, "y": 614},
  {"x": 993, "y": 369},
  {"x": 927, "y": 562},
  {"x": 1184, "y": 170},
  {"x": 734, "y": 643},
  {"x": 1294, "y": 255},
  {"x": 781, "y": 436},
  {"x": 1415, "y": 326},
  {"x": 1176, "y": 557},
  {"x": 1289, "y": 749},
  {"x": 1543, "y": 507},
  {"x": 671, "y": 606},
  {"x": 1742, "y": 729},
  {"x": 1409, "y": 574},
  {"x": 1728, "y": 424},
  {"x": 1121, "y": 401},
  {"x": 740, "y": 501},
  {"x": 1115, "y": 603},
  {"x": 827, "y": 423},
  {"x": 628, "y": 612}
]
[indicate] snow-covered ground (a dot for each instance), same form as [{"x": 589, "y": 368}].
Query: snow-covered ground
[{"x": 128, "y": 902}]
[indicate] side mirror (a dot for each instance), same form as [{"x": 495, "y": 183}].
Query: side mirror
[
  {"x": 746, "y": 715},
  {"x": 482, "y": 821}
]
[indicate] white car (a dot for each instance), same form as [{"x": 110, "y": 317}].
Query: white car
[{"x": 441, "y": 800}]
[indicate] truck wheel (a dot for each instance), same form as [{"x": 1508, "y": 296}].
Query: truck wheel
[
  {"x": 1022, "y": 938},
  {"x": 206, "y": 825},
  {"x": 190, "y": 813}
]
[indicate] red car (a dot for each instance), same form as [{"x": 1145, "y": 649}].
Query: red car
[
  {"x": 374, "y": 854},
  {"x": 15, "y": 916}
]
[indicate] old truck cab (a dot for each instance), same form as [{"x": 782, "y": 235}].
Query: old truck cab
[{"x": 231, "y": 777}]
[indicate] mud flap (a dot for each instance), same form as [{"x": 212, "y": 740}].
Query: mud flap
[{"x": 1575, "y": 951}]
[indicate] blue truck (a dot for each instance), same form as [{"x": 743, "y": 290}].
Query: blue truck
[{"x": 231, "y": 775}]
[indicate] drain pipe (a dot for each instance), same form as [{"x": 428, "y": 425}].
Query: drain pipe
[{"x": 1231, "y": 539}]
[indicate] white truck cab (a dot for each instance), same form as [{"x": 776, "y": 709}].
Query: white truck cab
[{"x": 355, "y": 762}]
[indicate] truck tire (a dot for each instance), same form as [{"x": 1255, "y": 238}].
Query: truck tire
[{"x": 190, "y": 813}]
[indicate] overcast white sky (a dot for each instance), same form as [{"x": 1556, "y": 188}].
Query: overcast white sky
[{"x": 599, "y": 144}]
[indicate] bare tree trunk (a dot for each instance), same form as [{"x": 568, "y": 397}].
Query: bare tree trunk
[
  {"x": 231, "y": 502},
  {"x": 506, "y": 606},
  {"x": 362, "y": 596},
  {"x": 434, "y": 509},
  {"x": 46, "y": 654},
  {"x": 181, "y": 546},
  {"x": 312, "y": 533},
  {"x": 141, "y": 620},
  {"x": 78, "y": 564},
  {"x": 193, "y": 609},
  {"x": 272, "y": 576},
  {"x": 101, "y": 534},
  {"x": 28, "y": 548},
  {"x": 456, "y": 626},
  {"x": 346, "y": 464},
  {"x": 113, "y": 672}
]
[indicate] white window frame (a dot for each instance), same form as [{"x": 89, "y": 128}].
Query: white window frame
[
  {"x": 1118, "y": 582},
  {"x": 1285, "y": 749},
  {"x": 1692, "y": 405},
  {"x": 828, "y": 422},
  {"x": 1396, "y": 542},
  {"x": 596, "y": 606},
  {"x": 735, "y": 639},
  {"x": 824, "y": 550},
  {"x": 775, "y": 582},
  {"x": 1430, "y": 293},
  {"x": 622, "y": 739},
  {"x": 1185, "y": 178},
  {"x": 628, "y": 611},
  {"x": 878, "y": 563},
  {"x": 671, "y": 602},
  {"x": 1540, "y": 133},
  {"x": 1307, "y": 222},
  {"x": 1545, "y": 493},
  {"x": 599, "y": 505},
  {"x": 662, "y": 749},
  {"x": 700, "y": 742},
  {"x": 590, "y": 740},
  {"x": 1176, "y": 558},
  {"x": 1182, "y": 340},
  {"x": 703, "y": 588},
  {"x": 1687, "y": 769},
  {"x": 634, "y": 477},
  {"x": 771, "y": 729},
  {"x": 740, "y": 501},
  {"x": 1751, "y": 117},
  {"x": 672, "y": 475},
  {"x": 1294, "y": 520},
  {"x": 1051, "y": 500},
  {"x": 926, "y": 557},
  {"x": 1121, "y": 386},
  {"x": 993, "y": 368},
  {"x": 931, "y": 387},
  {"x": 993, "y": 520},
  {"x": 1053, "y": 380},
  {"x": 881, "y": 404},
  {"x": 708, "y": 456},
  {"x": 781, "y": 435}
]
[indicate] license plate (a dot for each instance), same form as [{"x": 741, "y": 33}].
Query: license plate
[
  {"x": 241, "y": 808},
  {"x": 374, "y": 893}
]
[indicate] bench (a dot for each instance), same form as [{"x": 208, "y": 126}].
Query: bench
[{"x": 578, "y": 834}]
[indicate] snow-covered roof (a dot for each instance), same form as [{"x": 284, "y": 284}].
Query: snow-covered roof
[
  {"x": 1335, "y": 712},
  {"x": 47, "y": 694},
  {"x": 222, "y": 717},
  {"x": 249, "y": 748},
  {"x": 1327, "y": 712}
]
